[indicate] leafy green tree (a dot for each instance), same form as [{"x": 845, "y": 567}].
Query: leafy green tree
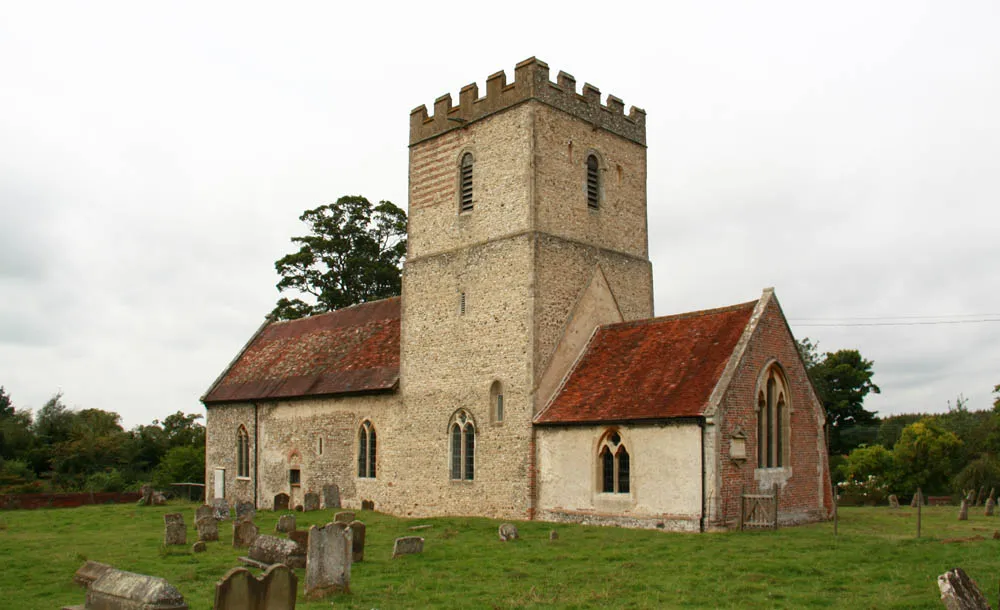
[
  {"x": 842, "y": 379},
  {"x": 183, "y": 430},
  {"x": 6, "y": 406},
  {"x": 926, "y": 455},
  {"x": 891, "y": 427},
  {"x": 180, "y": 465},
  {"x": 352, "y": 254},
  {"x": 983, "y": 471},
  {"x": 96, "y": 443},
  {"x": 871, "y": 461}
]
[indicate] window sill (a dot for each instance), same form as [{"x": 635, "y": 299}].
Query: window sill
[
  {"x": 461, "y": 481},
  {"x": 242, "y": 478}
]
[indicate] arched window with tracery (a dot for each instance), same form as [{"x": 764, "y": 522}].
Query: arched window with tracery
[
  {"x": 367, "y": 450},
  {"x": 462, "y": 441},
  {"x": 614, "y": 463},
  {"x": 242, "y": 452},
  {"x": 772, "y": 419}
]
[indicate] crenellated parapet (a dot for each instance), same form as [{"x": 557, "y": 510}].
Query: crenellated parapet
[{"x": 531, "y": 81}]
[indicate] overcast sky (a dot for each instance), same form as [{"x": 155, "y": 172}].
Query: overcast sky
[{"x": 154, "y": 160}]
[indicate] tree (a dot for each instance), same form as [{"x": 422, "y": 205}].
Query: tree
[
  {"x": 6, "y": 406},
  {"x": 353, "y": 254},
  {"x": 926, "y": 455},
  {"x": 180, "y": 465}
]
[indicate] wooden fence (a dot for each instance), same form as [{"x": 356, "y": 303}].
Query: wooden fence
[{"x": 759, "y": 511}]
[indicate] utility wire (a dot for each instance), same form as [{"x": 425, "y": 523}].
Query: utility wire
[{"x": 928, "y": 323}]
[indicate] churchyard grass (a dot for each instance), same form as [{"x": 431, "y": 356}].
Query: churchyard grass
[{"x": 875, "y": 562}]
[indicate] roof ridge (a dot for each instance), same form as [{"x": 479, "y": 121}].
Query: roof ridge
[
  {"x": 685, "y": 315},
  {"x": 337, "y": 311}
]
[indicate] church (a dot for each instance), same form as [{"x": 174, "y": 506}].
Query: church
[{"x": 521, "y": 374}]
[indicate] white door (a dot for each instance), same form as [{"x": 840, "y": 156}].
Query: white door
[{"x": 220, "y": 482}]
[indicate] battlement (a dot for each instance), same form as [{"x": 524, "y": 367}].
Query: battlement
[{"x": 531, "y": 81}]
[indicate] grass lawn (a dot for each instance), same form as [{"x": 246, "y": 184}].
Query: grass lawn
[{"x": 875, "y": 562}]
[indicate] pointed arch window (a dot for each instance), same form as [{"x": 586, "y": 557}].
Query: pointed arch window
[
  {"x": 462, "y": 441},
  {"x": 496, "y": 401},
  {"x": 593, "y": 182},
  {"x": 242, "y": 453},
  {"x": 367, "y": 450},
  {"x": 772, "y": 420},
  {"x": 465, "y": 183},
  {"x": 613, "y": 457}
]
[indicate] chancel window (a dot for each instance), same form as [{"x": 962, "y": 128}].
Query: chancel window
[
  {"x": 462, "y": 439},
  {"x": 242, "y": 453},
  {"x": 367, "y": 447},
  {"x": 772, "y": 420},
  {"x": 614, "y": 464}
]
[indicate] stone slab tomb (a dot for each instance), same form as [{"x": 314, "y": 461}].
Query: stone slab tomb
[
  {"x": 274, "y": 590},
  {"x": 310, "y": 501},
  {"x": 286, "y": 523},
  {"x": 357, "y": 541},
  {"x": 328, "y": 560},
  {"x": 89, "y": 572},
  {"x": 244, "y": 533},
  {"x": 344, "y": 516},
  {"x": 331, "y": 496},
  {"x": 281, "y": 502},
  {"x": 220, "y": 509},
  {"x": 245, "y": 511},
  {"x": 174, "y": 530},
  {"x": 121, "y": 590},
  {"x": 407, "y": 545},
  {"x": 271, "y": 550}
]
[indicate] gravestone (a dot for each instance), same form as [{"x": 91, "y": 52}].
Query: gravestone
[
  {"x": 357, "y": 541},
  {"x": 913, "y": 501},
  {"x": 300, "y": 538},
  {"x": 298, "y": 508},
  {"x": 959, "y": 592},
  {"x": 128, "y": 591},
  {"x": 89, "y": 572},
  {"x": 245, "y": 511},
  {"x": 244, "y": 533},
  {"x": 274, "y": 590},
  {"x": 407, "y": 545},
  {"x": 286, "y": 523},
  {"x": 507, "y": 532},
  {"x": 963, "y": 512},
  {"x": 331, "y": 496},
  {"x": 344, "y": 516},
  {"x": 280, "y": 502},
  {"x": 203, "y": 511},
  {"x": 328, "y": 560},
  {"x": 174, "y": 531},
  {"x": 310, "y": 501},
  {"x": 272, "y": 550},
  {"x": 220, "y": 509},
  {"x": 208, "y": 529},
  {"x": 893, "y": 501},
  {"x": 159, "y": 499},
  {"x": 991, "y": 505},
  {"x": 199, "y": 547},
  {"x": 147, "y": 495},
  {"x": 553, "y": 535}
]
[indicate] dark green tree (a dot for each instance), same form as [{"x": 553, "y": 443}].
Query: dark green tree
[
  {"x": 927, "y": 455},
  {"x": 352, "y": 254},
  {"x": 6, "y": 406},
  {"x": 180, "y": 465}
]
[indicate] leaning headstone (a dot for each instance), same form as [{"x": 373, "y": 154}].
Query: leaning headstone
[
  {"x": 245, "y": 511},
  {"x": 208, "y": 529},
  {"x": 407, "y": 545},
  {"x": 203, "y": 511},
  {"x": 553, "y": 535},
  {"x": 280, "y": 502},
  {"x": 357, "y": 541},
  {"x": 89, "y": 572},
  {"x": 220, "y": 509},
  {"x": 274, "y": 590},
  {"x": 893, "y": 501},
  {"x": 331, "y": 496},
  {"x": 507, "y": 532},
  {"x": 991, "y": 505},
  {"x": 286, "y": 523},
  {"x": 159, "y": 499},
  {"x": 128, "y": 591},
  {"x": 244, "y": 533},
  {"x": 199, "y": 547},
  {"x": 344, "y": 516},
  {"x": 963, "y": 512},
  {"x": 913, "y": 501},
  {"x": 959, "y": 592},
  {"x": 147, "y": 495},
  {"x": 310, "y": 501},
  {"x": 174, "y": 531},
  {"x": 272, "y": 550},
  {"x": 328, "y": 562}
]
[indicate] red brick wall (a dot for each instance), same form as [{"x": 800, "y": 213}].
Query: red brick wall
[
  {"x": 799, "y": 497},
  {"x": 65, "y": 500}
]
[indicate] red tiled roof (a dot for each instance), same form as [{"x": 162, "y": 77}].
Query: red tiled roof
[
  {"x": 346, "y": 351},
  {"x": 659, "y": 368}
]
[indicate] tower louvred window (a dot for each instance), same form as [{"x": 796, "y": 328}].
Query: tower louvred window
[
  {"x": 465, "y": 183},
  {"x": 593, "y": 182}
]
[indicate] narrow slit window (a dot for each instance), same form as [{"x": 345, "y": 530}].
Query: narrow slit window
[
  {"x": 242, "y": 453},
  {"x": 593, "y": 183},
  {"x": 465, "y": 183}
]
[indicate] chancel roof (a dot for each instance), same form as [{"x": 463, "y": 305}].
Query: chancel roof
[
  {"x": 647, "y": 370},
  {"x": 348, "y": 351}
]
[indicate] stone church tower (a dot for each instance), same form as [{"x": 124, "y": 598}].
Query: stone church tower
[{"x": 527, "y": 229}]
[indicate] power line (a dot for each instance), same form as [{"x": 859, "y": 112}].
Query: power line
[
  {"x": 928, "y": 323},
  {"x": 956, "y": 315}
]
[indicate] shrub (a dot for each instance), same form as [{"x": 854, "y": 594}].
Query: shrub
[
  {"x": 111, "y": 480},
  {"x": 982, "y": 472}
]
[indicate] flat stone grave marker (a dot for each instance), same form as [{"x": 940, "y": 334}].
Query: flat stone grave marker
[
  {"x": 328, "y": 560},
  {"x": 310, "y": 501},
  {"x": 280, "y": 502},
  {"x": 89, "y": 572},
  {"x": 220, "y": 509},
  {"x": 174, "y": 530},
  {"x": 199, "y": 547},
  {"x": 208, "y": 529},
  {"x": 344, "y": 516},
  {"x": 244, "y": 533},
  {"x": 245, "y": 510},
  {"x": 118, "y": 589},
  {"x": 959, "y": 592},
  {"x": 357, "y": 541},
  {"x": 286, "y": 523},
  {"x": 271, "y": 550},
  {"x": 331, "y": 496},
  {"x": 507, "y": 531},
  {"x": 274, "y": 590},
  {"x": 407, "y": 545}
]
